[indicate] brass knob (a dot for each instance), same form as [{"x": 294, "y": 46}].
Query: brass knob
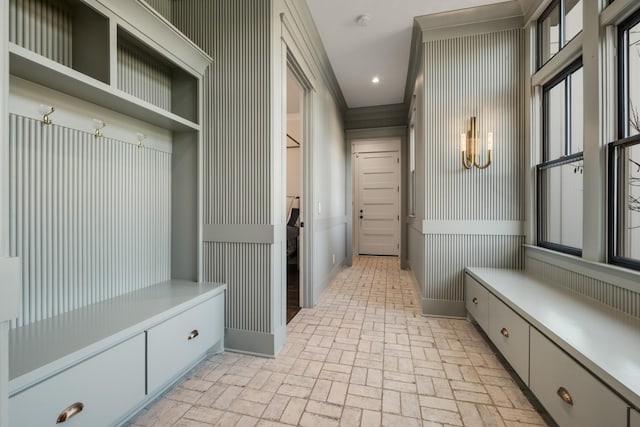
[
  {"x": 193, "y": 334},
  {"x": 564, "y": 395},
  {"x": 504, "y": 332},
  {"x": 70, "y": 412},
  {"x": 475, "y": 301}
]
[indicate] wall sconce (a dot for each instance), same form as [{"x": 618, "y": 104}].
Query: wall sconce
[{"x": 469, "y": 147}]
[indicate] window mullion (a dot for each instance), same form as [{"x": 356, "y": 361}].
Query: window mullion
[{"x": 567, "y": 115}]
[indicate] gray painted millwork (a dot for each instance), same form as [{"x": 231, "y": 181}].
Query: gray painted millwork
[
  {"x": 243, "y": 153},
  {"x": 376, "y": 117},
  {"x": 466, "y": 217},
  {"x": 565, "y": 329},
  {"x": 87, "y": 226}
]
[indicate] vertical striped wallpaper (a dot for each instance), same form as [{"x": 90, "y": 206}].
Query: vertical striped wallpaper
[
  {"x": 237, "y": 129},
  {"x": 42, "y": 26},
  {"x": 143, "y": 77},
  {"x": 164, "y": 7},
  {"x": 244, "y": 267},
  {"x": 236, "y": 146},
  {"x": 89, "y": 218},
  {"x": 446, "y": 257},
  {"x": 618, "y": 298},
  {"x": 475, "y": 75}
]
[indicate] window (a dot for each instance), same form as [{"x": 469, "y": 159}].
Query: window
[
  {"x": 624, "y": 154},
  {"x": 559, "y": 176},
  {"x": 557, "y": 26}
]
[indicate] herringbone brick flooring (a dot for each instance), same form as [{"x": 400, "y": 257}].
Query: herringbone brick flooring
[{"x": 363, "y": 356}]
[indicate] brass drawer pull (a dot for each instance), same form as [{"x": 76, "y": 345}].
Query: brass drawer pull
[
  {"x": 70, "y": 412},
  {"x": 504, "y": 332},
  {"x": 475, "y": 301},
  {"x": 564, "y": 395},
  {"x": 193, "y": 334}
]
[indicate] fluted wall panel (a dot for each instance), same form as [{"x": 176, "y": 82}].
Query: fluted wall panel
[
  {"x": 143, "y": 77},
  {"x": 164, "y": 7},
  {"x": 236, "y": 147},
  {"x": 616, "y": 297},
  {"x": 242, "y": 266},
  {"x": 479, "y": 76},
  {"x": 448, "y": 255},
  {"x": 89, "y": 217},
  {"x": 42, "y": 26},
  {"x": 237, "y": 130}
]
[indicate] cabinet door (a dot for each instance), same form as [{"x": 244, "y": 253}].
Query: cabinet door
[
  {"x": 175, "y": 344},
  {"x": 510, "y": 333},
  {"x": 571, "y": 395},
  {"x": 107, "y": 386},
  {"x": 477, "y": 301}
]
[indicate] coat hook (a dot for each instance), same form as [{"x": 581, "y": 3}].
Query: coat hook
[
  {"x": 141, "y": 138},
  {"x": 46, "y": 111},
  {"x": 98, "y": 125}
]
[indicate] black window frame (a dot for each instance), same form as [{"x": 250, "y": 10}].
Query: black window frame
[
  {"x": 563, "y": 42},
  {"x": 566, "y": 158},
  {"x": 624, "y": 141}
]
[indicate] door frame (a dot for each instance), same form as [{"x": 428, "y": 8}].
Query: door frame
[
  {"x": 372, "y": 135},
  {"x": 372, "y": 145},
  {"x": 306, "y": 165}
]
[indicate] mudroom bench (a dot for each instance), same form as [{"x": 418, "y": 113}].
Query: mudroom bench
[
  {"x": 580, "y": 358},
  {"x": 97, "y": 365}
]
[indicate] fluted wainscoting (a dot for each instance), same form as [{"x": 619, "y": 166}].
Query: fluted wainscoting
[
  {"x": 615, "y": 296},
  {"x": 237, "y": 153},
  {"x": 42, "y": 26},
  {"x": 471, "y": 217},
  {"x": 89, "y": 218},
  {"x": 143, "y": 77}
]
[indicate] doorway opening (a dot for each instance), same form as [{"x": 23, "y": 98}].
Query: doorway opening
[
  {"x": 294, "y": 188},
  {"x": 377, "y": 197}
]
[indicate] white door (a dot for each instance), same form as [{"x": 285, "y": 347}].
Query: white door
[{"x": 378, "y": 210}]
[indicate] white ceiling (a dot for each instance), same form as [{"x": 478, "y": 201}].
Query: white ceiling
[{"x": 358, "y": 53}]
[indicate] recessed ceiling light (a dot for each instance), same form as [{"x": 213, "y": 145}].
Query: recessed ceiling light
[{"x": 375, "y": 80}]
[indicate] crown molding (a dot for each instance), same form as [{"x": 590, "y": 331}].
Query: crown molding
[{"x": 471, "y": 21}]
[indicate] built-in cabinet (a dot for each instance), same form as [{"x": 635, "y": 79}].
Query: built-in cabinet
[
  {"x": 104, "y": 210},
  {"x": 578, "y": 357}
]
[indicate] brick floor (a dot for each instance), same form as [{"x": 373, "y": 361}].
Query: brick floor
[{"x": 363, "y": 356}]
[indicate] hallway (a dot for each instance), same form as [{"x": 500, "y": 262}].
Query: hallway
[{"x": 363, "y": 356}]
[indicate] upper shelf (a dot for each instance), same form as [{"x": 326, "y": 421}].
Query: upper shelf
[
  {"x": 118, "y": 54},
  {"x": 38, "y": 69}
]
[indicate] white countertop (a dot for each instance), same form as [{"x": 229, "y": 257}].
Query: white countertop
[
  {"x": 43, "y": 348},
  {"x": 603, "y": 340}
]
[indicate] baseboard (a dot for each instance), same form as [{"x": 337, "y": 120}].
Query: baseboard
[
  {"x": 254, "y": 343},
  {"x": 446, "y": 308}
]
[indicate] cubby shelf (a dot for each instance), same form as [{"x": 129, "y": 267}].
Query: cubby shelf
[{"x": 33, "y": 67}]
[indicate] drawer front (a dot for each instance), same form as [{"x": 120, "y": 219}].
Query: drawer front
[
  {"x": 510, "y": 333},
  {"x": 553, "y": 373},
  {"x": 171, "y": 346},
  {"x": 477, "y": 301},
  {"x": 634, "y": 418},
  {"x": 108, "y": 385}
]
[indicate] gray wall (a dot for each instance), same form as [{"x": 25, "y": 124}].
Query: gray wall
[
  {"x": 244, "y": 143},
  {"x": 466, "y": 217}
]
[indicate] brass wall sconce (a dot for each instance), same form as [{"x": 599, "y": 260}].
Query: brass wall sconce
[{"x": 469, "y": 147}]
